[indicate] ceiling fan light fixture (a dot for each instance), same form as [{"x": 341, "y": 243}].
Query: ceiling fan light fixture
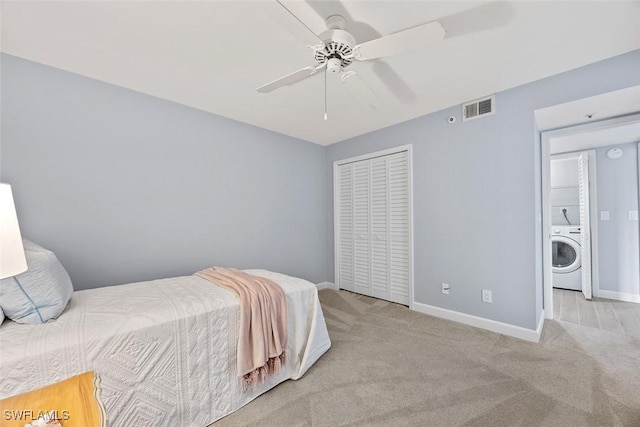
[{"x": 334, "y": 65}]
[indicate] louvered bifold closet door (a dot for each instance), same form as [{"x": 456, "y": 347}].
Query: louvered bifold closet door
[
  {"x": 399, "y": 227},
  {"x": 373, "y": 225},
  {"x": 361, "y": 226},
  {"x": 585, "y": 224},
  {"x": 345, "y": 227},
  {"x": 379, "y": 228}
]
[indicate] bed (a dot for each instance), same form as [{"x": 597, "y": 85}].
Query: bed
[{"x": 165, "y": 350}]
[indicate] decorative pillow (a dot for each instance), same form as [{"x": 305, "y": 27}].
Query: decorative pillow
[
  {"x": 74, "y": 402},
  {"x": 39, "y": 294}
]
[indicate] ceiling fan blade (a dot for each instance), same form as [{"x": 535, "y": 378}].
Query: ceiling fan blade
[
  {"x": 481, "y": 18},
  {"x": 360, "y": 88},
  {"x": 312, "y": 34},
  {"x": 412, "y": 39},
  {"x": 290, "y": 79}
]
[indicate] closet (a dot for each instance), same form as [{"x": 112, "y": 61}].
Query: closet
[{"x": 373, "y": 225}]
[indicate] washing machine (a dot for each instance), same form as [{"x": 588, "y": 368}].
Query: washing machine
[{"x": 566, "y": 259}]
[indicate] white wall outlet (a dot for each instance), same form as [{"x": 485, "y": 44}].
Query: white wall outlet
[
  {"x": 486, "y": 296},
  {"x": 604, "y": 215},
  {"x": 633, "y": 215},
  {"x": 445, "y": 288}
]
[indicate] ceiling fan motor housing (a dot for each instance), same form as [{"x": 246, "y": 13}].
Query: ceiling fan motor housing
[
  {"x": 338, "y": 44},
  {"x": 338, "y": 49}
]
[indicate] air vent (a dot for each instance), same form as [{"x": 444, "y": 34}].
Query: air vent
[{"x": 479, "y": 108}]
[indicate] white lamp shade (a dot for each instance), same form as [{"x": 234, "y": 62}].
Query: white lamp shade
[{"x": 12, "y": 259}]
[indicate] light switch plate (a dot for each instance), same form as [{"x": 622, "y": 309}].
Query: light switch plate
[
  {"x": 633, "y": 215},
  {"x": 604, "y": 215}
]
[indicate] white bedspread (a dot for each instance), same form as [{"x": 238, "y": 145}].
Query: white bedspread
[{"x": 164, "y": 349}]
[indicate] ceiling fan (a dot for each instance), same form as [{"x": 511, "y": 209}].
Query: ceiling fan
[{"x": 337, "y": 50}]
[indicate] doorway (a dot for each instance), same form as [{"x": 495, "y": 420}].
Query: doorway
[
  {"x": 573, "y": 202},
  {"x": 593, "y": 144}
]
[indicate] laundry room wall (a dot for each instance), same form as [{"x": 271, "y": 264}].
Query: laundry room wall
[
  {"x": 564, "y": 190},
  {"x": 618, "y": 237}
]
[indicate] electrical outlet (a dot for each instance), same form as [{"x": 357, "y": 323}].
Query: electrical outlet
[
  {"x": 445, "y": 288},
  {"x": 604, "y": 215},
  {"x": 486, "y": 296},
  {"x": 633, "y": 215}
]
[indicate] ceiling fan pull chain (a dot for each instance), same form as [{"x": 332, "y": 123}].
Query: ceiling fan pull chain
[{"x": 325, "y": 94}]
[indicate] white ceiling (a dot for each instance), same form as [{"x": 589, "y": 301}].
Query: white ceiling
[{"x": 212, "y": 55}]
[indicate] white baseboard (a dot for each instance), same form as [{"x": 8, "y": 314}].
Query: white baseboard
[
  {"x": 620, "y": 296},
  {"x": 540, "y": 326},
  {"x": 326, "y": 285},
  {"x": 482, "y": 323}
]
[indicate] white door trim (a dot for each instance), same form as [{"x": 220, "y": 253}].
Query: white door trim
[
  {"x": 593, "y": 222},
  {"x": 585, "y": 184},
  {"x": 336, "y": 230},
  {"x": 547, "y": 266},
  {"x": 375, "y": 154}
]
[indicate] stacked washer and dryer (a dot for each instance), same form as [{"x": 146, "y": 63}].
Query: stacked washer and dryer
[{"x": 565, "y": 238}]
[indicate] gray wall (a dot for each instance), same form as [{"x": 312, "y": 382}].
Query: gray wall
[
  {"x": 122, "y": 186},
  {"x": 477, "y": 193},
  {"x": 127, "y": 187},
  {"x": 618, "y": 238}
]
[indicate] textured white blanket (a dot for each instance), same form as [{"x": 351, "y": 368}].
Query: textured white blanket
[{"x": 165, "y": 350}]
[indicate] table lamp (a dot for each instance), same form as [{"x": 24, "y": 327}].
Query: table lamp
[{"x": 12, "y": 258}]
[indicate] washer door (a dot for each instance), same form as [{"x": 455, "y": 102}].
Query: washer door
[{"x": 565, "y": 253}]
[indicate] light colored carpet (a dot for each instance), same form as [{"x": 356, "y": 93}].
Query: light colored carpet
[{"x": 389, "y": 366}]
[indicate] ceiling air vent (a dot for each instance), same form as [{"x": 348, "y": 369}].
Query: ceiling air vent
[{"x": 479, "y": 108}]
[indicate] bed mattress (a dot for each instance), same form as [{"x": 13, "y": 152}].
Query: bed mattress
[{"x": 165, "y": 350}]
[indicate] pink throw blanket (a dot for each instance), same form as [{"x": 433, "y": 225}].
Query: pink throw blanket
[{"x": 263, "y": 322}]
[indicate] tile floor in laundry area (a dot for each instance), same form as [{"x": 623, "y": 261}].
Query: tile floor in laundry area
[{"x": 612, "y": 315}]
